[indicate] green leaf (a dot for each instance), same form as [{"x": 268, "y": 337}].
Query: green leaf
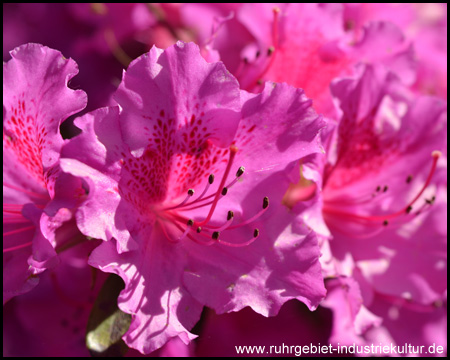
[{"x": 107, "y": 323}]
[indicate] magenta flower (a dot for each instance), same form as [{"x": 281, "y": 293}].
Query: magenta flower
[
  {"x": 304, "y": 45},
  {"x": 36, "y": 100},
  {"x": 350, "y": 318},
  {"x": 184, "y": 224},
  {"x": 383, "y": 189},
  {"x": 423, "y": 24}
]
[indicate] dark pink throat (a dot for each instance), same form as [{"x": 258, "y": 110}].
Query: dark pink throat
[
  {"x": 335, "y": 210},
  {"x": 177, "y": 224}
]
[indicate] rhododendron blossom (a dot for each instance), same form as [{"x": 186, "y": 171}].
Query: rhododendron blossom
[
  {"x": 381, "y": 180},
  {"x": 179, "y": 186},
  {"x": 304, "y": 45},
  {"x": 36, "y": 100},
  {"x": 290, "y": 158}
]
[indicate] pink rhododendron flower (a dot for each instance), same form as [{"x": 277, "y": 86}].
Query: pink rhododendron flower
[
  {"x": 423, "y": 24},
  {"x": 382, "y": 176},
  {"x": 208, "y": 183},
  {"x": 184, "y": 128},
  {"x": 304, "y": 45},
  {"x": 36, "y": 100}
]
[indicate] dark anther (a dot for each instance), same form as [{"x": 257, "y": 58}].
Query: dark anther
[
  {"x": 230, "y": 215},
  {"x": 191, "y": 192},
  {"x": 258, "y": 53},
  {"x": 265, "y": 202},
  {"x": 211, "y": 179},
  {"x": 408, "y": 209},
  {"x": 430, "y": 201},
  {"x": 259, "y": 82},
  {"x": 224, "y": 191},
  {"x": 215, "y": 235},
  {"x": 190, "y": 222},
  {"x": 409, "y": 179},
  {"x": 385, "y": 188},
  {"x": 385, "y": 223},
  {"x": 240, "y": 171},
  {"x": 378, "y": 188},
  {"x": 270, "y": 51},
  {"x": 245, "y": 60},
  {"x": 256, "y": 233},
  {"x": 199, "y": 229}
]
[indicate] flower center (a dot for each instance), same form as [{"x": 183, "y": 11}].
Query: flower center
[
  {"x": 333, "y": 209},
  {"x": 202, "y": 231}
]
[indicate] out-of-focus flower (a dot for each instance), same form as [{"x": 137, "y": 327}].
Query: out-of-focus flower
[
  {"x": 182, "y": 122},
  {"x": 383, "y": 177},
  {"x": 51, "y": 320},
  {"x": 103, "y": 38},
  {"x": 424, "y": 25},
  {"x": 304, "y": 45},
  {"x": 36, "y": 100}
]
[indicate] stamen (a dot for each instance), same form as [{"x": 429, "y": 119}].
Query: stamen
[
  {"x": 230, "y": 217},
  {"x": 165, "y": 232},
  {"x": 242, "y": 64},
  {"x": 210, "y": 182},
  {"x": 12, "y": 208},
  {"x": 271, "y": 51},
  {"x": 240, "y": 172},
  {"x": 253, "y": 218},
  {"x": 15, "y": 219},
  {"x": 200, "y": 199},
  {"x": 186, "y": 232},
  {"x": 31, "y": 193},
  {"x": 246, "y": 243},
  {"x": 233, "y": 151},
  {"x": 12, "y": 232},
  {"x": 202, "y": 228},
  {"x": 189, "y": 195},
  {"x": 407, "y": 209},
  {"x": 17, "y": 247}
]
